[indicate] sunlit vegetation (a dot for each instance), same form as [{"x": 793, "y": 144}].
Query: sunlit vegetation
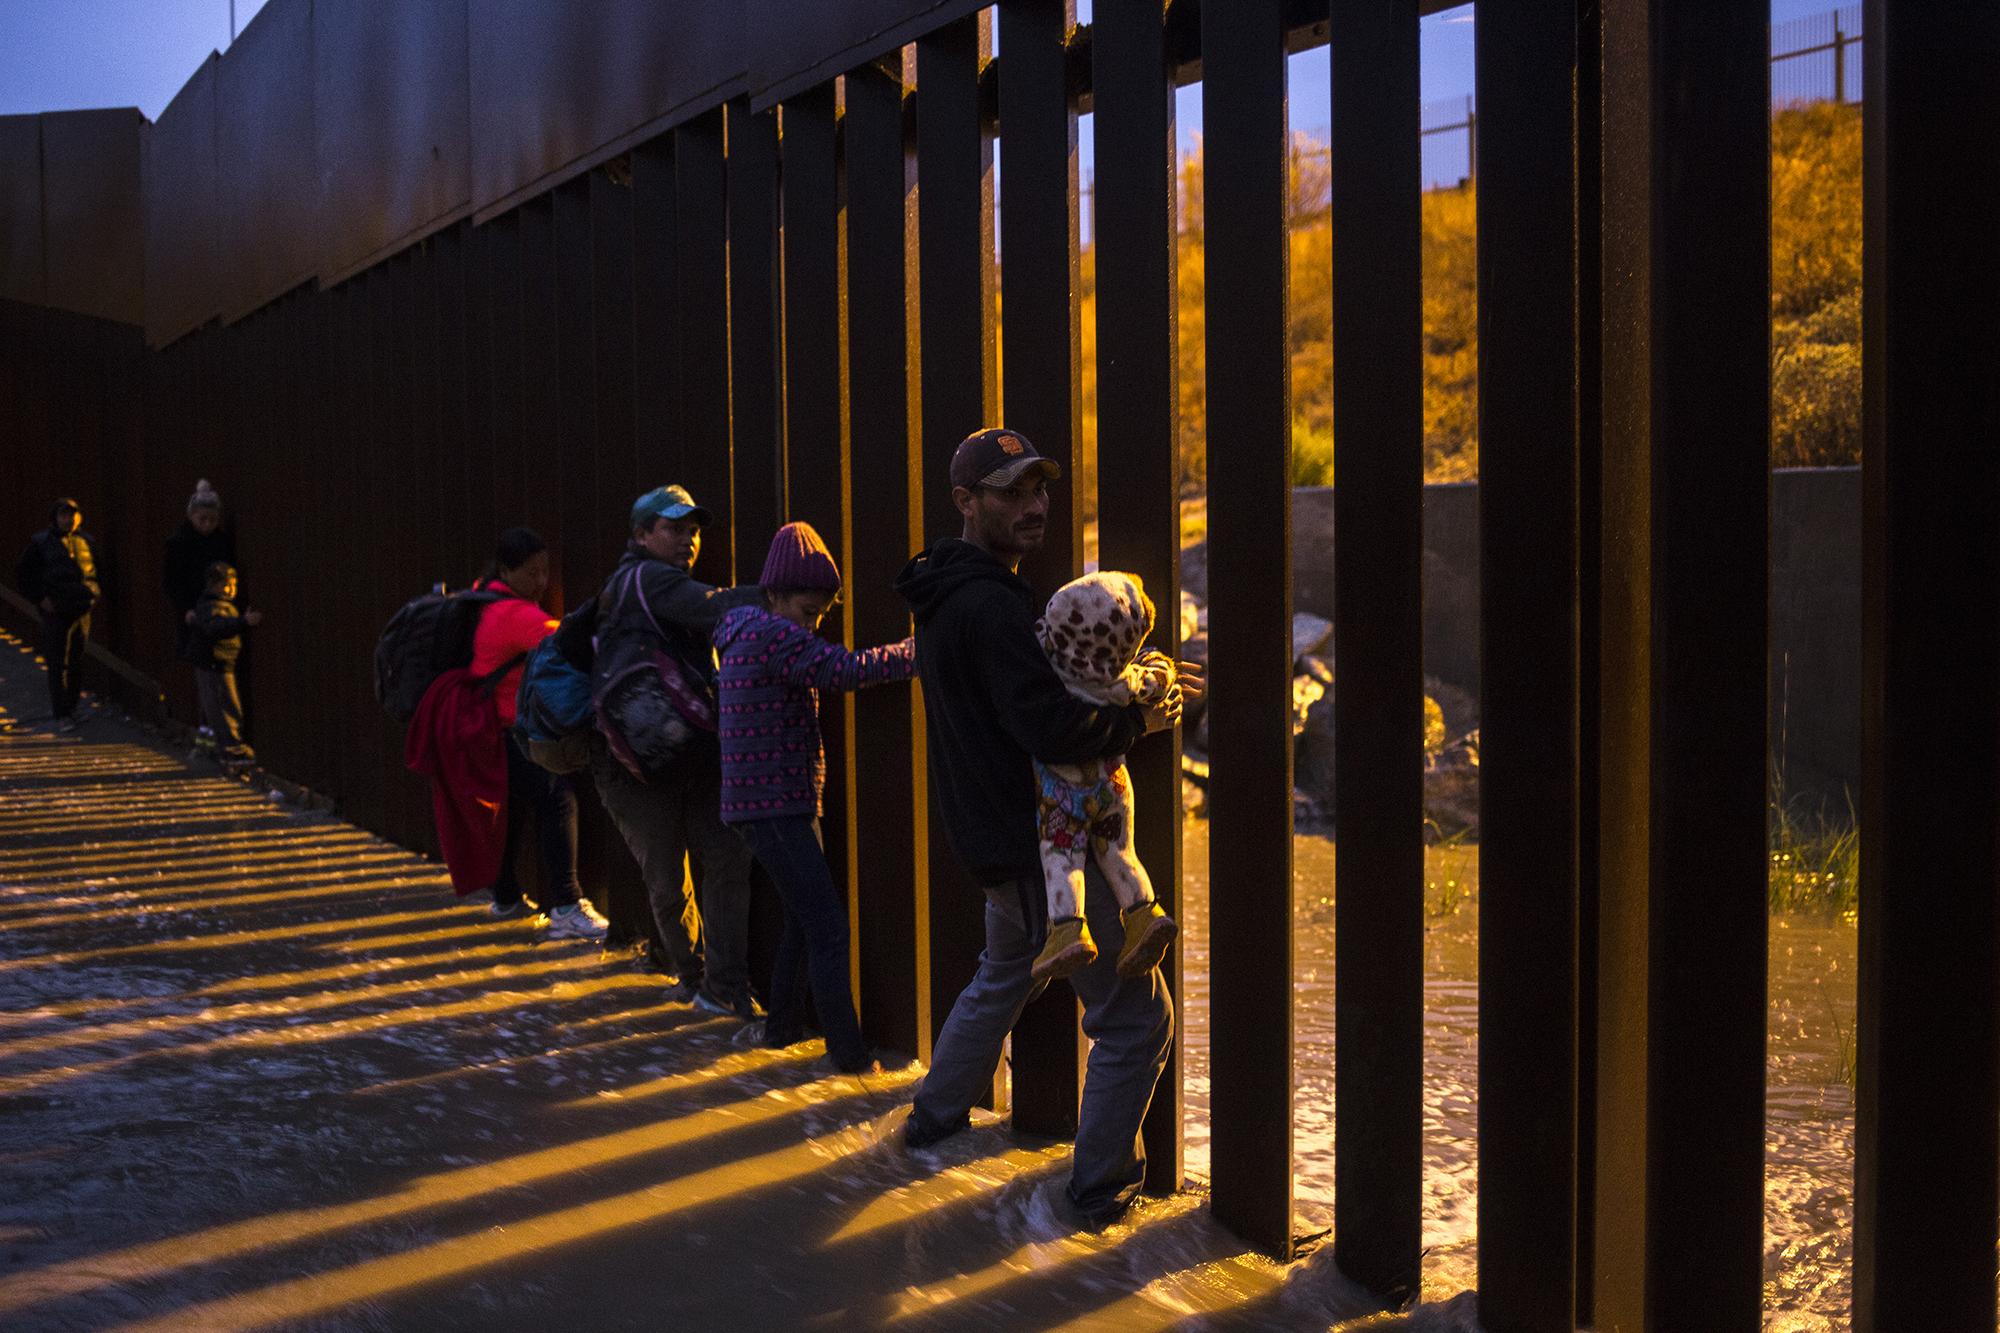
[{"x": 1815, "y": 308}]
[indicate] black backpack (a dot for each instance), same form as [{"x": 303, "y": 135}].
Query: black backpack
[{"x": 429, "y": 636}]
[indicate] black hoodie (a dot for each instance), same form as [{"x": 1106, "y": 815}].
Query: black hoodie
[{"x": 993, "y": 700}]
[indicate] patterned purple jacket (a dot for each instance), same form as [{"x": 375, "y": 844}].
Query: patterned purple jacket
[{"x": 773, "y": 764}]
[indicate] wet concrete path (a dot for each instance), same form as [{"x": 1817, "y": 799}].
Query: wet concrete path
[{"x": 258, "y": 1068}]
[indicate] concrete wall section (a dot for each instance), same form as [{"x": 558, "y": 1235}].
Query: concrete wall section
[
  {"x": 557, "y": 87},
  {"x": 267, "y": 184},
  {"x": 1815, "y": 736},
  {"x": 392, "y": 112},
  {"x": 1815, "y": 635},
  {"x": 1450, "y": 573}
]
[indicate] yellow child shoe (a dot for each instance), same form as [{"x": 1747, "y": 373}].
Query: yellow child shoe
[
  {"x": 1069, "y": 948},
  {"x": 1148, "y": 933}
]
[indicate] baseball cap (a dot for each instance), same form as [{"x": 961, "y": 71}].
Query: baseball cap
[
  {"x": 667, "y": 502},
  {"x": 998, "y": 457}
]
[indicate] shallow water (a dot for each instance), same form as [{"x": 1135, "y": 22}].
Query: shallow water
[{"x": 1809, "y": 1124}]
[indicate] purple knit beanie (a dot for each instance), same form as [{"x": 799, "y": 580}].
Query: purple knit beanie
[{"x": 799, "y": 560}]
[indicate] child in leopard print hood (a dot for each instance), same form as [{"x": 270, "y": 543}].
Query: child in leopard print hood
[{"x": 1092, "y": 634}]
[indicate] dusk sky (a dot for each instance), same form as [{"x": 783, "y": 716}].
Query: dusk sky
[{"x": 66, "y": 54}]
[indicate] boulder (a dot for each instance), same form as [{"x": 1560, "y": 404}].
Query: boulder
[
  {"x": 1194, "y": 570},
  {"x": 1309, "y": 634}
]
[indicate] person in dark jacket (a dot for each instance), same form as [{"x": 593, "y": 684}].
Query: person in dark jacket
[
  {"x": 58, "y": 573},
  {"x": 216, "y": 638},
  {"x": 199, "y": 542},
  {"x": 994, "y": 704},
  {"x": 672, "y": 806}
]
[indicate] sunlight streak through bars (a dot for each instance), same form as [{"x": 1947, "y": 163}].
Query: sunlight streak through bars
[
  {"x": 1247, "y": 313},
  {"x": 232, "y": 1240},
  {"x": 481, "y": 1249},
  {"x": 1683, "y": 907},
  {"x": 1926, "y": 1157},
  {"x": 560, "y": 992},
  {"x": 286, "y": 1005},
  {"x": 1528, "y": 742},
  {"x": 229, "y": 939},
  {"x": 1378, "y": 646}
]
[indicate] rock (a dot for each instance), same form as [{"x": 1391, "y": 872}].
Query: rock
[
  {"x": 1195, "y": 648},
  {"x": 1451, "y": 797},
  {"x": 1306, "y": 692},
  {"x": 1460, "y": 709},
  {"x": 1194, "y": 616},
  {"x": 1309, "y": 634},
  {"x": 1194, "y": 570},
  {"x": 1312, "y": 757}
]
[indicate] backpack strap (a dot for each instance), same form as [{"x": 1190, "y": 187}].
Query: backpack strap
[{"x": 487, "y": 683}]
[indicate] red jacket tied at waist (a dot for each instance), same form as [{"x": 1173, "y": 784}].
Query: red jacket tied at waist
[{"x": 455, "y": 739}]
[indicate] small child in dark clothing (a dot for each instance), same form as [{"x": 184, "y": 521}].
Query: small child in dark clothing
[{"x": 215, "y": 638}]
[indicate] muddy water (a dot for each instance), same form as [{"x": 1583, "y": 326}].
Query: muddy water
[{"x": 1809, "y": 1126}]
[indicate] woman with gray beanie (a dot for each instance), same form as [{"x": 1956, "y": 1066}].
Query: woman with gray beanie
[{"x": 201, "y": 540}]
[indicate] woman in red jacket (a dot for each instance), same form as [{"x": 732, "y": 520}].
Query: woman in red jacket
[{"x": 510, "y": 629}]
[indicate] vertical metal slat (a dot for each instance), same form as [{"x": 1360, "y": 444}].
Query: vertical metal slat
[
  {"x": 891, "y": 829},
  {"x": 1528, "y": 738},
  {"x": 1929, "y": 1101},
  {"x": 1682, "y": 901},
  {"x": 1378, "y": 647},
  {"x": 1246, "y": 320}
]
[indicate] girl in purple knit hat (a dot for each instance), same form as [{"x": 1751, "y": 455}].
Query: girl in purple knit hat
[{"x": 774, "y": 665}]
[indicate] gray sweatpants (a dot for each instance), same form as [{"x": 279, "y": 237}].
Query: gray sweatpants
[
  {"x": 662, "y": 823},
  {"x": 1129, "y": 1021}
]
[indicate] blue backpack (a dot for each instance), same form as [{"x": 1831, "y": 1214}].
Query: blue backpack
[{"x": 553, "y": 712}]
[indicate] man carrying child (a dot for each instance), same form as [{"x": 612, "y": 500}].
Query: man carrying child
[{"x": 995, "y": 705}]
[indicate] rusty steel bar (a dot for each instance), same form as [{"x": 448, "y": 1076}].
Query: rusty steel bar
[
  {"x": 755, "y": 398},
  {"x": 1250, "y": 622},
  {"x": 1041, "y": 351},
  {"x": 1138, "y": 448},
  {"x": 817, "y": 462},
  {"x": 701, "y": 236},
  {"x": 656, "y": 327},
  {"x": 891, "y": 829},
  {"x": 1680, "y": 1142},
  {"x": 1528, "y": 734},
  {"x": 1926, "y": 1157},
  {"x": 956, "y": 391},
  {"x": 1378, "y": 647}
]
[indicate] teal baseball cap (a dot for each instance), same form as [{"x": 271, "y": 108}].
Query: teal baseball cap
[{"x": 667, "y": 502}]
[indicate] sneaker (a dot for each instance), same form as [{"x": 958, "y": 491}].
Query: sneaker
[
  {"x": 1149, "y": 931},
  {"x": 1069, "y": 947},
  {"x": 508, "y": 911},
  {"x": 682, "y": 992},
  {"x": 920, "y": 1134},
  {"x": 743, "y": 1006},
  {"x": 577, "y": 921},
  {"x": 66, "y": 726}
]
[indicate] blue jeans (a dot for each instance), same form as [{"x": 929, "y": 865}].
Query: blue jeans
[
  {"x": 814, "y": 947},
  {"x": 1130, "y": 1022}
]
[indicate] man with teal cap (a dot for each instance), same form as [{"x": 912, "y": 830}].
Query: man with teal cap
[{"x": 661, "y": 779}]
